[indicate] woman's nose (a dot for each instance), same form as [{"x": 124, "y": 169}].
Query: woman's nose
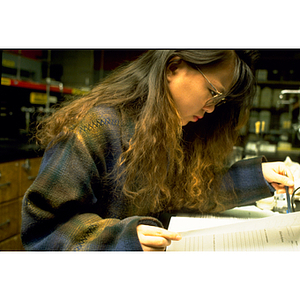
[{"x": 209, "y": 108}]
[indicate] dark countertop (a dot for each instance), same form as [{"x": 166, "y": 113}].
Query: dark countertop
[{"x": 11, "y": 150}]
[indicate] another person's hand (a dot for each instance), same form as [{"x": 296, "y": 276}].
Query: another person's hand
[
  {"x": 279, "y": 176},
  {"x": 155, "y": 238}
]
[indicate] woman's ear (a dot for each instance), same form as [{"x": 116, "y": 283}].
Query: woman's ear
[{"x": 173, "y": 66}]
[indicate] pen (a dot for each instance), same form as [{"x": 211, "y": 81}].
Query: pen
[{"x": 288, "y": 199}]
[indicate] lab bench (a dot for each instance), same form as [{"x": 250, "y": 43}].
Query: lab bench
[{"x": 16, "y": 176}]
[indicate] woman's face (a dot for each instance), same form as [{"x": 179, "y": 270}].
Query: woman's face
[{"x": 191, "y": 91}]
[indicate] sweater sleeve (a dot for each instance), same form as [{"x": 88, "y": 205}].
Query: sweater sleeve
[
  {"x": 69, "y": 207},
  {"x": 245, "y": 180}
]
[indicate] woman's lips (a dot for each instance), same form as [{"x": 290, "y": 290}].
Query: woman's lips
[{"x": 196, "y": 118}]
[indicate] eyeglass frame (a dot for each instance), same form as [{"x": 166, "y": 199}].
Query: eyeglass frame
[{"x": 212, "y": 101}]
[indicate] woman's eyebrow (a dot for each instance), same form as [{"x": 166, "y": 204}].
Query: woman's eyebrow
[
  {"x": 213, "y": 85},
  {"x": 220, "y": 88}
]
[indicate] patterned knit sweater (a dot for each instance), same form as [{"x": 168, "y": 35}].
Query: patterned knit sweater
[{"x": 71, "y": 207}]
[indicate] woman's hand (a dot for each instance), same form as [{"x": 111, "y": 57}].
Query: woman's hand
[
  {"x": 155, "y": 238},
  {"x": 279, "y": 176}
]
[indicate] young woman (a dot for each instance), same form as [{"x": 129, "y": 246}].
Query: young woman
[{"x": 151, "y": 139}]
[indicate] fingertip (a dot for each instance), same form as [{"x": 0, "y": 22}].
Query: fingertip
[{"x": 178, "y": 237}]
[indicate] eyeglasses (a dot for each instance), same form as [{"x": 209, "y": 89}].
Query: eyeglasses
[{"x": 218, "y": 98}]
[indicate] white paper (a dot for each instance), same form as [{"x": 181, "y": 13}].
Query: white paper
[
  {"x": 278, "y": 232},
  {"x": 184, "y": 222}
]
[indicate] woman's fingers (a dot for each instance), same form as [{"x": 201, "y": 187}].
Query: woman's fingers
[
  {"x": 155, "y": 242},
  {"x": 278, "y": 175},
  {"x": 157, "y": 231},
  {"x": 154, "y": 238},
  {"x": 280, "y": 188}
]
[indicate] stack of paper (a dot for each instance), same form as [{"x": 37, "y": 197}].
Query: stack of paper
[{"x": 228, "y": 232}]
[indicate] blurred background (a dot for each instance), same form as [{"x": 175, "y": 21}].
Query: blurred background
[{"x": 32, "y": 81}]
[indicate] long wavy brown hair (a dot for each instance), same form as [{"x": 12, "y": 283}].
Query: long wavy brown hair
[{"x": 166, "y": 166}]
